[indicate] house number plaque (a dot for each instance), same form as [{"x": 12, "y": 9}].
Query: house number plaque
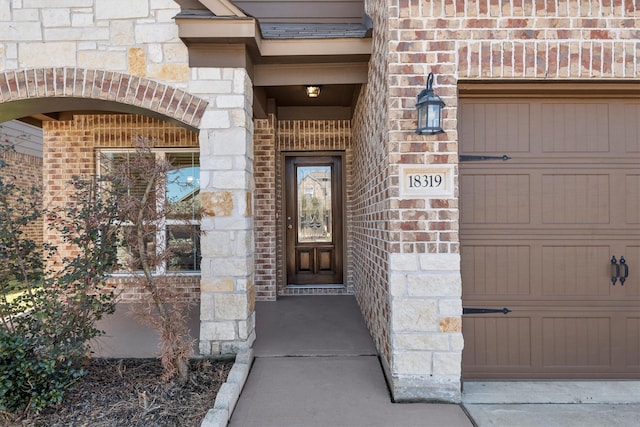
[{"x": 426, "y": 181}]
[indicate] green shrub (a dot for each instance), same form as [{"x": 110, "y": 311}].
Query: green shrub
[{"x": 30, "y": 380}]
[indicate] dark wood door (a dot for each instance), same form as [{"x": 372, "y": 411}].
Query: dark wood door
[{"x": 313, "y": 220}]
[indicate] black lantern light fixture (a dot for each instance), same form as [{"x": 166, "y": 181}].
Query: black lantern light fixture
[{"x": 429, "y": 107}]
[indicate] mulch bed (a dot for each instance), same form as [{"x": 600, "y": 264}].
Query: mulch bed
[{"x": 130, "y": 392}]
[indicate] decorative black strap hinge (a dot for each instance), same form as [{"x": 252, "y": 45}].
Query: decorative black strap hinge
[
  {"x": 471, "y": 158},
  {"x": 467, "y": 310}
]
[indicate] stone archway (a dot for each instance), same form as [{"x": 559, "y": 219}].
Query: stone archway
[{"x": 107, "y": 86}]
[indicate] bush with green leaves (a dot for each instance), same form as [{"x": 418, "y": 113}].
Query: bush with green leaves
[{"x": 45, "y": 332}]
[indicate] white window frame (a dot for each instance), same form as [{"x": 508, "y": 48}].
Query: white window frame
[{"x": 164, "y": 223}]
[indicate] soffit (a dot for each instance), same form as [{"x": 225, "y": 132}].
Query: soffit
[{"x": 281, "y": 57}]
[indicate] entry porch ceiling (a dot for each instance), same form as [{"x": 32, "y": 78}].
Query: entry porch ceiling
[{"x": 281, "y": 58}]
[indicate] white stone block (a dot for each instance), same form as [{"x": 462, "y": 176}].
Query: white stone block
[
  {"x": 22, "y": 15},
  {"x": 403, "y": 262},
  {"x": 102, "y": 60},
  {"x": 215, "y": 119},
  {"x": 166, "y": 16},
  {"x": 121, "y": 9},
  {"x": 154, "y": 53},
  {"x": 397, "y": 284},
  {"x": 450, "y": 307},
  {"x": 73, "y": 34},
  {"x": 87, "y": 46},
  {"x": 156, "y": 33},
  {"x": 122, "y": 33},
  {"x": 231, "y": 223},
  {"x": 5, "y": 11},
  {"x": 207, "y": 73},
  {"x": 434, "y": 284},
  {"x": 412, "y": 363},
  {"x": 230, "y": 142},
  {"x": 175, "y": 52},
  {"x": 56, "y": 17},
  {"x": 231, "y": 307},
  {"x": 21, "y": 31},
  {"x": 414, "y": 315},
  {"x": 56, "y": 54},
  {"x": 456, "y": 342},
  {"x": 11, "y": 50},
  {"x": 207, "y": 306},
  {"x": 164, "y": 4},
  {"x": 431, "y": 341},
  {"x": 82, "y": 19},
  {"x": 210, "y": 87},
  {"x": 230, "y": 101},
  {"x": 215, "y": 244},
  {"x": 230, "y": 180},
  {"x": 40, "y": 4},
  {"x": 230, "y": 266},
  {"x": 447, "y": 364},
  {"x": 440, "y": 262},
  {"x": 217, "y": 331}
]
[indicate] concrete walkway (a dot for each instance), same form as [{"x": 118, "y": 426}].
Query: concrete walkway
[{"x": 316, "y": 365}]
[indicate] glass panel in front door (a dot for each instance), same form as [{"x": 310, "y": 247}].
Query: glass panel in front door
[{"x": 314, "y": 204}]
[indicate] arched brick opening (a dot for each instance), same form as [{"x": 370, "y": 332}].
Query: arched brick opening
[{"x": 109, "y": 86}]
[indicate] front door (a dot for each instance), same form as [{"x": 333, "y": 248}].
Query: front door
[{"x": 313, "y": 220}]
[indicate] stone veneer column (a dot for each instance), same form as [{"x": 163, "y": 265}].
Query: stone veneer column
[
  {"x": 227, "y": 296},
  {"x": 426, "y": 328}
]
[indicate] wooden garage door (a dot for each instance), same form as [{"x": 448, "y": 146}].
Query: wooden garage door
[{"x": 539, "y": 232}]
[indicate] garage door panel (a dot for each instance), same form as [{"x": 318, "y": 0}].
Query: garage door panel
[
  {"x": 496, "y": 199},
  {"x": 576, "y": 270},
  {"x": 576, "y": 341},
  {"x": 538, "y": 232},
  {"x": 632, "y": 284},
  {"x": 497, "y": 341},
  {"x": 496, "y": 270},
  {"x": 575, "y": 199},
  {"x": 575, "y": 128},
  {"x": 512, "y": 131},
  {"x": 633, "y": 343},
  {"x": 629, "y": 131},
  {"x": 632, "y": 198}
]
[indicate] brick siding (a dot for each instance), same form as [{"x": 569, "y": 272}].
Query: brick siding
[
  {"x": 25, "y": 172},
  {"x": 272, "y": 138},
  {"x": 69, "y": 149}
]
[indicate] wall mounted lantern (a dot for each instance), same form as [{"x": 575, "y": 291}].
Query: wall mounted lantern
[
  {"x": 429, "y": 107},
  {"x": 313, "y": 91}
]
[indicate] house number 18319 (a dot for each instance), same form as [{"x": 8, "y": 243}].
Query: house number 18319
[{"x": 425, "y": 181}]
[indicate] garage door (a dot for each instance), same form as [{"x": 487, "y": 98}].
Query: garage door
[{"x": 552, "y": 233}]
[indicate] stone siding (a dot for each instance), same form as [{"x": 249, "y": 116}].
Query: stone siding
[{"x": 123, "y": 56}]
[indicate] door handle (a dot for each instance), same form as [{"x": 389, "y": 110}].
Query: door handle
[
  {"x": 615, "y": 270},
  {"x": 623, "y": 263}
]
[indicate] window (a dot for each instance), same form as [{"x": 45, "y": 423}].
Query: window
[{"x": 176, "y": 228}]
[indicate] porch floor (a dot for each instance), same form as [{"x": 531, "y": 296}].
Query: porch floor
[{"x": 316, "y": 365}]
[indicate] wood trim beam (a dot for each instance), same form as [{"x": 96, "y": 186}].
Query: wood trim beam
[
  {"x": 302, "y": 74},
  {"x": 549, "y": 88},
  {"x": 222, "y": 8}
]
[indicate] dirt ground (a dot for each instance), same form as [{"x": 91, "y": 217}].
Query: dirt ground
[{"x": 129, "y": 392}]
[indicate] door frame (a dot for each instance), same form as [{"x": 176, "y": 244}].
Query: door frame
[{"x": 282, "y": 213}]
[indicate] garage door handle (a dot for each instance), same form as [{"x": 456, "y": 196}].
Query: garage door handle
[
  {"x": 623, "y": 263},
  {"x": 615, "y": 270}
]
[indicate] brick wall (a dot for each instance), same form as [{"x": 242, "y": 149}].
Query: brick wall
[
  {"x": 69, "y": 149},
  {"x": 272, "y": 138},
  {"x": 459, "y": 41},
  {"x": 25, "y": 172}
]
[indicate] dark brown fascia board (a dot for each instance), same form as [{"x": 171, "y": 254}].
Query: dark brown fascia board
[
  {"x": 543, "y": 88},
  {"x": 314, "y": 73},
  {"x": 220, "y": 31}
]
